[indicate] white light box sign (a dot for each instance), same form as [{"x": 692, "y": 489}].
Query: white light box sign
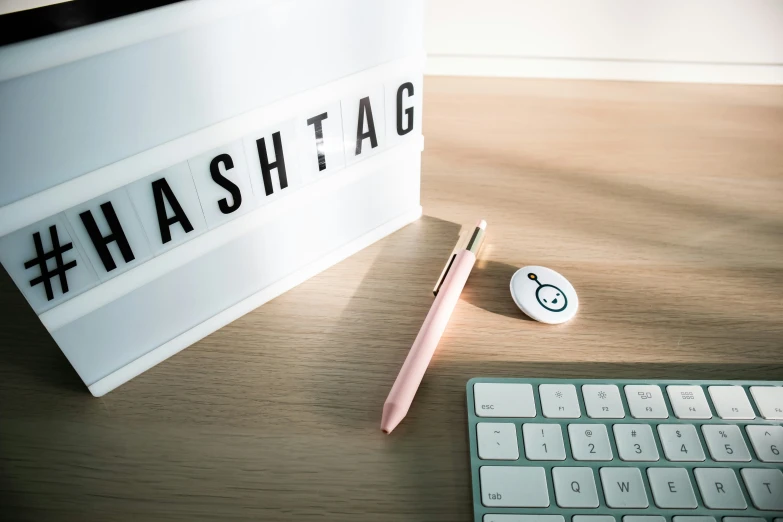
[{"x": 163, "y": 242}]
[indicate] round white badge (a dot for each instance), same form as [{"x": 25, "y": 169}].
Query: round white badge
[{"x": 544, "y": 295}]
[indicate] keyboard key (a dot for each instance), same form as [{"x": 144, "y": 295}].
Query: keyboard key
[
  {"x": 744, "y": 519},
  {"x": 644, "y": 518},
  {"x": 543, "y": 442},
  {"x": 602, "y": 401},
  {"x": 646, "y": 401},
  {"x": 671, "y": 488},
  {"x": 623, "y": 488},
  {"x": 731, "y": 402},
  {"x": 689, "y": 402},
  {"x": 719, "y": 488},
  {"x": 497, "y": 441},
  {"x": 685, "y": 518},
  {"x": 725, "y": 443},
  {"x": 767, "y": 441},
  {"x": 595, "y": 518},
  {"x": 523, "y": 518},
  {"x": 559, "y": 401},
  {"x": 575, "y": 487},
  {"x": 635, "y": 442},
  {"x": 504, "y": 400},
  {"x": 589, "y": 442},
  {"x": 769, "y": 400},
  {"x": 765, "y": 487},
  {"x": 681, "y": 442},
  {"x": 512, "y": 486}
]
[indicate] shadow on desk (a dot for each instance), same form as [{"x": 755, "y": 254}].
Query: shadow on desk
[
  {"x": 426, "y": 457},
  {"x": 276, "y": 416},
  {"x": 27, "y": 351},
  {"x": 489, "y": 288}
]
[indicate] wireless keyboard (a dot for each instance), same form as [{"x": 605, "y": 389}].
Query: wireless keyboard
[{"x": 550, "y": 450}]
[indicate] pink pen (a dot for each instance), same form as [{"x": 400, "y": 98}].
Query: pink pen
[{"x": 447, "y": 292}]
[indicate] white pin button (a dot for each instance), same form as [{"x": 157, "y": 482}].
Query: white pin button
[{"x": 544, "y": 295}]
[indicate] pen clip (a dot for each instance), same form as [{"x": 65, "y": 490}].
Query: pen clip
[{"x": 464, "y": 235}]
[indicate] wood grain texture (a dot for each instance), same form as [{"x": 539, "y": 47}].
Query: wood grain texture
[{"x": 663, "y": 204}]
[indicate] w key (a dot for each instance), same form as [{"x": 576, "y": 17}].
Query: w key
[{"x": 623, "y": 488}]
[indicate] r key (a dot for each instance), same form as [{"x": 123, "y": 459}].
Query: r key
[{"x": 719, "y": 488}]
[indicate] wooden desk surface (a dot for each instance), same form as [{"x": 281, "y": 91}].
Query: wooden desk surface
[{"x": 662, "y": 203}]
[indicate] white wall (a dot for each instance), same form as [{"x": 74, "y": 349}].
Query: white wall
[{"x": 720, "y": 41}]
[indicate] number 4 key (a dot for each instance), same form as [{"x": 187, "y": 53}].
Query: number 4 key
[{"x": 680, "y": 443}]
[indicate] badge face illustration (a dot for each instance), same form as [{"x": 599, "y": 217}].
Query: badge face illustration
[
  {"x": 549, "y": 296},
  {"x": 544, "y": 295}
]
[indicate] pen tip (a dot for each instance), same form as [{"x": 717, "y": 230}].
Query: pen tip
[
  {"x": 481, "y": 224},
  {"x": 392, "y": 416}
]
